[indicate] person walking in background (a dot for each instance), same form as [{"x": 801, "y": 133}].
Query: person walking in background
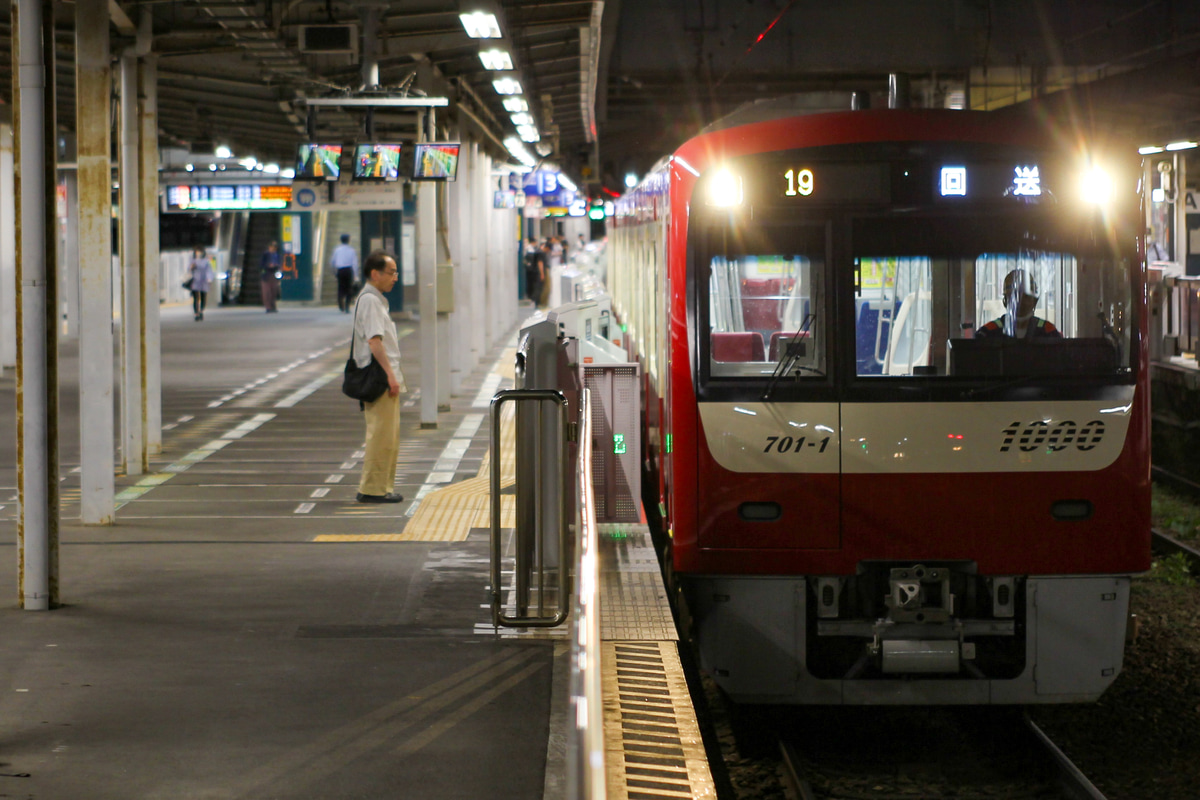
[
  {"x": 375, "y": 335},
  {"x": 345, "y": 261},
  {"x": 202, "y": 276},
  {"x": 269, "y": 268},
  {"x": 535, "y": 270}
]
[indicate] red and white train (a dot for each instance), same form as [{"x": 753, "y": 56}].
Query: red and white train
[{"x": 867, "y": 502}]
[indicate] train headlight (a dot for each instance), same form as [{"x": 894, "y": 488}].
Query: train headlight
[
  {"x": 1096, "y": 186},
  {"x": 725, "y": 189}
]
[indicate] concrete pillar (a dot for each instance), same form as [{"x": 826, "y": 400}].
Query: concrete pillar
[
  {"x": 149, "y": 257},
  {"x": 427, "y": 300},
  {"x": 93, "y": 79},
  {"x": 8, "y": 250},
  {"x": 476, "y": 247},
  {"x": 445, "y": 257},
  {"x": 132, "y": 422},
  {"x": 455, "y": 225},
  {"x": 37, "y": 363}
]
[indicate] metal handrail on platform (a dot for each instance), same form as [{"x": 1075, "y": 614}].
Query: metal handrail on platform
[{"x": 524, "y": 583}]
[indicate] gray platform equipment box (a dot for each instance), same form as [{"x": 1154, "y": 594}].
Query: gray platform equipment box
[
  {"x": 616, "y": 408},
  {"x": 545, "y": 360},
  {"x": 616, "y": 440}
]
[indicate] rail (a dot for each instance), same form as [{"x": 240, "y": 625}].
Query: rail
[{"x": 531, "y": 540}]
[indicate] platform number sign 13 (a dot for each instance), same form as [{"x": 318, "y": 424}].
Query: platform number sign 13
[{"x": 799, "y": 182}]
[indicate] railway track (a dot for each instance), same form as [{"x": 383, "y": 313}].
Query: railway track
[
  {"x": 1008, "y": 759},
  {"x": 1165, "y": 543}
]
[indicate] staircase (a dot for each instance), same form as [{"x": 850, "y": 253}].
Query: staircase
[{"x": 263, "y": 229}]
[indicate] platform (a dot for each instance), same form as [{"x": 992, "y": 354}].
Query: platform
[{"x": 248, "y": 630}]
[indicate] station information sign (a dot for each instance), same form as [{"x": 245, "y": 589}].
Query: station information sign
[{"x": 242, "y": 197}]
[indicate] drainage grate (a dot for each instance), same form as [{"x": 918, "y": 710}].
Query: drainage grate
[{"x": 653, "y": 748}]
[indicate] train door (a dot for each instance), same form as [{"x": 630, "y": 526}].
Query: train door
[{"x": 768, "y": 458}]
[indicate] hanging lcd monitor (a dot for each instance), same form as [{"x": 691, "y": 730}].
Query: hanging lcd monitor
[
  {"x": 318, "y": 162},
  {"x": 435, "y": 161},
  {"x": 377, "y": 162}
]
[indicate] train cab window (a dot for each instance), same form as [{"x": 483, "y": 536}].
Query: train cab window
[
  {"x": 763, "y": 310},
  {"x": 979, "y": 310}
]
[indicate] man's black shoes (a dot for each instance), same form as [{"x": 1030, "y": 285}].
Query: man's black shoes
[{"x": 390, "y": 497}]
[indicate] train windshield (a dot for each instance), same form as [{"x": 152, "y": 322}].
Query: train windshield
[
  {"x": 935, "y": 297},
  {"x": 765, "y": 301}
]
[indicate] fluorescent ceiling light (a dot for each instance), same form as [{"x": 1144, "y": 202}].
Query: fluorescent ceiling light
[
  {"x": 271, "y": 168},
  {"x": 515, "y": 104},
  {"x": 1149, "y": 150},
  {"x": 507, "y": 86},
  {"x": 496, "y": 59},
  {"x": 1181, "y": 145},
  {"x": 223, "y": 152},
  {"x": 519, "y": 151},
  {"x": 563, "y": 180},
  {"x": 288, "y": 173},
  {"x": 528, "y": 133},
  {"x": 480, "y": 25},
  {"x": 523, "y": 118}
]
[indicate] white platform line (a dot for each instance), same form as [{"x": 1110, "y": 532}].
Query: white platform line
[{"x": 304, "y": 391}]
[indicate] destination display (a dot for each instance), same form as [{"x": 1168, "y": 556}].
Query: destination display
[
  {"x": 953, "y": 181},
  {"x": 242, "y": 197}
]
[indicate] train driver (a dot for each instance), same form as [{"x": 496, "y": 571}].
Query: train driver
[{"x": 1020, "y": 299}]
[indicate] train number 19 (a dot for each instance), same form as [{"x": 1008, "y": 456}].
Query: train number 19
[
  {"x": 799, "y": 182},
  {"x": 786, "y": 444}
]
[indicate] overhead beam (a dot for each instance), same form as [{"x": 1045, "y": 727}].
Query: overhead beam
[{"x": 121, "y": 19}]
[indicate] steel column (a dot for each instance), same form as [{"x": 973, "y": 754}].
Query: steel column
[
  {"x": 476, "y": 247},
  {"x": 149, "y": 257},
  {"x": 93, "y": 81},
  {"x": 8, "y": 250},
  {"x": 68, "y": 238},
  {"x": 131, "y": 274},
  {"x": 445, "y": 329},
  {"x": 37, "y": 367},
  {"x": 427, "y": 280}
]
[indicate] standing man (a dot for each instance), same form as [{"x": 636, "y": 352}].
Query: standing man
[
  {"x": 269, "y": 268},
  {"x": 375, "y": 335},
  {"x": 345, "y": 261}
]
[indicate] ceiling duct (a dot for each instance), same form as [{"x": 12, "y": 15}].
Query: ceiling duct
[{"x": 329, "y": 38}]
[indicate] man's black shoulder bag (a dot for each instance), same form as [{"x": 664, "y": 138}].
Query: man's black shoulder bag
[{"x": 364, "y": 384}]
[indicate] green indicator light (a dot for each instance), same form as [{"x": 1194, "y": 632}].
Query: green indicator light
[
  {"x": 624, "y": 327},
  {"x": 668, "y": 442},
  {"x": 619, "y": 444}
]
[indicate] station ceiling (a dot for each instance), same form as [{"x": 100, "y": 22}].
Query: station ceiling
[{"x": 615, "y": 84}]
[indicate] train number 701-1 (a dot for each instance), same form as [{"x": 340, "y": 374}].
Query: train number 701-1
[{"x": 786, "y": 444}]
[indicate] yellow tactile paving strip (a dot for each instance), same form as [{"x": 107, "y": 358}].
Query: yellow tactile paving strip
[
  {"x": 507, "y": 365},
  {"x": 448, "y": 514},
  {"x": 652, "y": 742}
]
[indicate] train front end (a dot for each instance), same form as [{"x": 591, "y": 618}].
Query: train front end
[{"x": 906, "y": 430}]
